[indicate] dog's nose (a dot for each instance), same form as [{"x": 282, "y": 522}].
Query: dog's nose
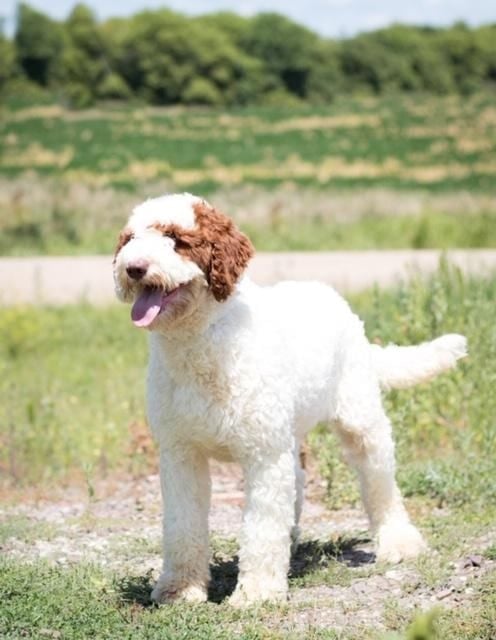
[{"x": 137, "y": 269}]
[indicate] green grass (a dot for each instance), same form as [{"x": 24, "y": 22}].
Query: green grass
[
  {"x": 84, "y": 601},
  {"x": 385, "y": 139},
  {"x": 70, "y": 179},
  {"x": 56, "y": 231},
  {"x": 25, "y": 529},
  {"x": 72, "y": 399},
  {"x": 428, "y": 231},
  {"x": 72, "y": 389}
]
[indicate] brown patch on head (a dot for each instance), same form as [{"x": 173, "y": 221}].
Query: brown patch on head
[
  {"x": 216, "y": 245},
  {"x": 124, "y": 237}
]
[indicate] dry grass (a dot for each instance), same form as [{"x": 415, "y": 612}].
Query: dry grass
[{"x": 29, "y": 194}]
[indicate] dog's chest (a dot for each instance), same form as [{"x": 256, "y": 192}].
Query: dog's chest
[
  {"x": 202, "y": 373},
  {"x": 190, "y": 393}
]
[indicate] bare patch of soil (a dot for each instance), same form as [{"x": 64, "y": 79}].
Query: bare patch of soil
[{"x": 334, "y": 578}]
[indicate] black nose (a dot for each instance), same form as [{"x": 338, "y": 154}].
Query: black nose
[{"x": 137, "y": 269}]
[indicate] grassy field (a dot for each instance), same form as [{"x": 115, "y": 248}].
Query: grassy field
[
  {"x": 371, "y": 173},
  {"x": 86, "y": 399},
  {"x": 40, "y": 601},
  {"x": 296, "y": 178},
  {"x": 80, "y": 415}
]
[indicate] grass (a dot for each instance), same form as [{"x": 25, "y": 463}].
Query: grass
[
  {"x": 82, "y": 414},
  {"x": 84, "y": 407},
  {"x": 83, "y": 601},
  {"x": 402, "y": 141},
  {"x": 427, "y": 231},
  {"x": 70, "y": 179}
]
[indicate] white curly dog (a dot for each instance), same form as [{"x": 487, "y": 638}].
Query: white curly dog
[{"x": 241, "y": 373}]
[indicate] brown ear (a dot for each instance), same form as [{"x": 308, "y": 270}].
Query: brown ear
[{"x": 230, "y": 250}]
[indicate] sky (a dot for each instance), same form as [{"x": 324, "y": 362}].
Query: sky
[{"x": 334, "y": 18}]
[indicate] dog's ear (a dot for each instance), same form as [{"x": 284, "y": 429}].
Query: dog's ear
[{"x": 230, "y": 250}]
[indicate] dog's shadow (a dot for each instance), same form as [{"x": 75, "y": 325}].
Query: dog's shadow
[{"x": 311, "y": 555}]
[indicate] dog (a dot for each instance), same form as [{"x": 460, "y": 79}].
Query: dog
[{"x": 241, "y": 373}]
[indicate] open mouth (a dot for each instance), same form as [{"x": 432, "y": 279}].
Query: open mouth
[{"x": 150, "y": 303}]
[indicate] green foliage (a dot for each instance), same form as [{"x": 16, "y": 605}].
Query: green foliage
[
  {"x": 201, "y": 91},
  {"x": 8, "y": 66},
  {"x": 83, "y": 68},
  {"x": 19, "y": 92},
  {"x": 325, "y": 80},
  {"x": 231, "y": 24},
  {"x": 113, "y": 87},
  {"x": 286, "y": 48},
  {"x": 428, "y": 231},
  {"x": 166, "y": 58},
  {"x": 39, "y": 43},
  {"x": 423, "y": 627},
  {"x": 466, "y": 60},
  {"x": 490, "y": 552},
  {"x": 76, "y": 412}
]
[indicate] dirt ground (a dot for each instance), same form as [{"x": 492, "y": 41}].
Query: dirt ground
[{"x": 117, "y": 525}]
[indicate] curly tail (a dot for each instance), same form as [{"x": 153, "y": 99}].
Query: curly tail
[{"x": 402, "y": 367}]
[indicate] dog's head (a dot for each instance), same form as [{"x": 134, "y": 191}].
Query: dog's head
[{"x": 174, "y": 251}]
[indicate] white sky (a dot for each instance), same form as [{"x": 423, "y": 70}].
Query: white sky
[{"x": 327, "y": 17}]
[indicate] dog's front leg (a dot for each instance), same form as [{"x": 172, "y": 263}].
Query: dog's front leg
[
  {"x": 185, "y": 483},
  {"x": 265, "y": 535}
]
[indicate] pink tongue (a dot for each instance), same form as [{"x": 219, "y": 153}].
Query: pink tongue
[{"x": 146, "y": 308}]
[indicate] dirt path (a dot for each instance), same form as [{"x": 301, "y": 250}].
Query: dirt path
[
  {"x": 62, "y": 280},
  {"x": 119, "y": 528}
]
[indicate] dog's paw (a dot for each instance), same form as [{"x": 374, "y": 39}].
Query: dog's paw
[
  {"x": 166, "y": 592},
  {"x": 247, "y": 594},
  {"x": 399, "y": 541}
]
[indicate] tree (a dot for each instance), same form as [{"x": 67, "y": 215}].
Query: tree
[
  {"x": 420, "y": 64},
  {"x": 485, "y": 38},
  {"x": 39, "y": 42},
  {"x": 325, "y": 80},
  {"x": 287, "y": 50},
  {"x": 465, "y": 57},
  {"x": 232, "y": 25},
  {"x": 8, "y": 67},
  {"x": 85, "y": 69},
  {"x": 225, "y": 59}
]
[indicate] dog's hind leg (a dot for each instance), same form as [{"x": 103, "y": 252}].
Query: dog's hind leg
[
  {"x": 185, "y": 483},
  {"x": 299, "y": 497},
  {"x": 365, "y": 431}
]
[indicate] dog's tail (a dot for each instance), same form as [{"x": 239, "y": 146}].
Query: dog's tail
[{"x": 402, "y": 367}]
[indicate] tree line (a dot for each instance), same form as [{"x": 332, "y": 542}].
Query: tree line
[{"x": 163, "y": 57}]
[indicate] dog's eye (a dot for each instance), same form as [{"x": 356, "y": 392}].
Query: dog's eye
[{"x": 178, "y": 241}]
